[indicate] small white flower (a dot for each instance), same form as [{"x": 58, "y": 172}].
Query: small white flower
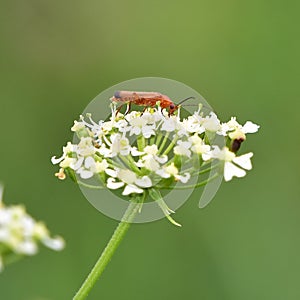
[
  {"x": 108, "y": 126},
  {"x": 139, "y": 126},
  {"x": 150, "y": 160},
  {"x": 127, "y": 176},
  {"x": 236, "y": 131},
  {"x": 66, "y": 150},
  {"x": 250, "y": 127},
  {"x": 129, "y": 181},
  {"x": 85, "y": 147},
  {"x": 100, "y": 166},
  {"x": 68, "y": 162},
  {"x": 120, "y": 144},
  {"x": 104, "y": 151},
  {"x": 152, "y": 150},
  {"x": 233, "y": 165},
  {"x": 244, "y": 161},
  {"x": 122, "y": 125},
  {"x": 183, "y": 178},
  {"x": 211, "y": 122},
  {"x": 183, "y": 148},
  {"x": 170, "y": 124},
  {"x": 200, "y": 147},
  {"x": 191, "y": 125},
  {"x": 172, "y": 170},
  {"x": 152, "y": 117},
  {"x": 78, "y": 126},
  {"x": 132, "y": 115}
]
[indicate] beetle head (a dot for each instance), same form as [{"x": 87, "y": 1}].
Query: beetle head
[{"x": 172, "y": 108}]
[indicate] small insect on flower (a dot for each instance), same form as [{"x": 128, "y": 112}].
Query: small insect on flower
[{"x": 147, "y": 99}]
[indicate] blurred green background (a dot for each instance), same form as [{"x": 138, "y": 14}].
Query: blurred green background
[{"x": 242, "y": 56}]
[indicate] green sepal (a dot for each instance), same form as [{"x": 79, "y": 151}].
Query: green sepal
[{"x": 71, "y": 173}]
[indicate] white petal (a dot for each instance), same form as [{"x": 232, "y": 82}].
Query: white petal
[
  {"x": 162, "y": 173},
  {"x": 135, "y": 152},
  {"x": 85, "y": 174},
  {"x": 78, "y": 164},
  {"x": 126, "y": 176},
  {"x": 4, "y": 234},
  {"x": 55, "y": 160},
  {"x": 111, "y": 173},
  {"x": 150, "y": 163},
  {"x": 139, "y": 164},
  {"x": 145, "y": 181},
  {"x": 130, "y": 189},
  {"x": 179, "y": 150},
  {"x": 163, "y": 159},
  {"x": 89, "y": 161},
  {"x": 104, "y": 151},
  {"x": 5, "y": 217},
  {"x": 250, "y": 127},
  {"x": 135, "y": 130},
  {"x": 113, "y": 185},
  {"x": 244, "y": 161},
  {"x": 152, "y": 150},
  {"x": 56, "y": 244},
  {"x": 231, "y": 170},
  {"x": 184, "y": 178},
  {"x": 27, "y": 248},
  {"x": 125, "y": 151},
  {"x": 148, "y": 131},
  {"x": 207, "y": 156}
]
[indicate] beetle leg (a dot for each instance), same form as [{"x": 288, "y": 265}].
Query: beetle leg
[
  {"x": 144, "y": 110},
  {"x": 127, "y": 108},
  {"x": 119, "y": 108}
]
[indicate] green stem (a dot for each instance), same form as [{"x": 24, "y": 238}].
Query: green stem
[
  {"x": 192, "y": 186},
  {"x": 171, "y": 145},
  {"x": 205, "y": 170},
  {"x": 108, "y": 252},
  {"x": 161, "y": 147},
  {"x": 141, "y": 143},
  {"x": 158, "y": 140},
  {"x": 152, "y": 140},
  {"x": 130, "y": 163}
]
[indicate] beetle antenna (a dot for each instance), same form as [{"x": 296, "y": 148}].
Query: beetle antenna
[{"x": 185, "y": 100}]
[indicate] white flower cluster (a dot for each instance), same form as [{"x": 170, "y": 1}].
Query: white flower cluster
[
  {"x": 20, "y": 234},
  {"x": 138, "y": 151}
]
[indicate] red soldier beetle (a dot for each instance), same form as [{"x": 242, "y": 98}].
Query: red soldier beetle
[{"x": 147, "y": 99}]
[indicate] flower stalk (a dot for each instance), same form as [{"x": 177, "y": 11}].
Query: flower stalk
[{"x": 109, "y": 250}]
